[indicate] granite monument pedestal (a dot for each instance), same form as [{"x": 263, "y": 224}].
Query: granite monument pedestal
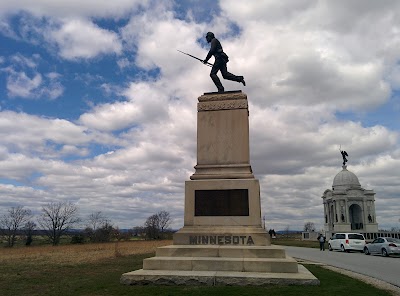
[{"x": 222, "y": 241}]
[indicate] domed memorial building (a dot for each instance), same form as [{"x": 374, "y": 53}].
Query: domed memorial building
[{"x": 348, "y": 207}]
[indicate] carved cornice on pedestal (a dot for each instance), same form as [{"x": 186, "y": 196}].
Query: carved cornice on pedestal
[
  {"x": 222, "y": 101},
  {"x": 222, "y": 96}
]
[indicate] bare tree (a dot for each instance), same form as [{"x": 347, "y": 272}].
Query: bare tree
[
  {"x": 57, "y": 218},
  {"x": 139, "y": 231},
  {"x": 164, "y": 220},
  {"x": 96, "y": 220},
  {"x": 12, "y": 222},
  {"x": 152, "y": 227},
  {"x": 28, "y": 229},
  {"x": 156, "y": 224},
  {"x": 105, "y": 233},
  {"x": 309, "y": 226},
  {"x": 99, "y": 228}
]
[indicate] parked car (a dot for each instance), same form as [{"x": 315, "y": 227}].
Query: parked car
[
  {"x": 347, "y": 242},
  {"x": 383, "y": 245}
]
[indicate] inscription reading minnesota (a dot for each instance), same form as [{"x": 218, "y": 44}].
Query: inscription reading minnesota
[{"x": 221, "y": 240}]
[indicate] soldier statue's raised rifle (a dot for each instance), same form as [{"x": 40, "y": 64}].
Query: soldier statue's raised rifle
[{"x": 208, "y": 64}]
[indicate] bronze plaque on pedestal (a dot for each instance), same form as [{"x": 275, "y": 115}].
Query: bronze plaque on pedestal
[{"x": 230, "y": 202}]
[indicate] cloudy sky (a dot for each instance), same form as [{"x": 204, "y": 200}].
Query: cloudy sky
[{"x": 97, "y": 107}]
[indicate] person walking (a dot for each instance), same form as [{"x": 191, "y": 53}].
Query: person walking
[
  {"x": 220, "y": 63},
  {"x": 321, "y": 238}
]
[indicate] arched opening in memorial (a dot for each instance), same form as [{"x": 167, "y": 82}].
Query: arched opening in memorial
[{"x": 356, "y": 217}]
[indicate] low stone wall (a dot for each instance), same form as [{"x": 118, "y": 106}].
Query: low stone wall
[{"x": 369, "y": 236}]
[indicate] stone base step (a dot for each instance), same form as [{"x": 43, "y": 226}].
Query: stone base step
[
  {"x": 276, "y": 265},
  {"x": 217, "y": 278},
  {"x": 221, "y": 251}
]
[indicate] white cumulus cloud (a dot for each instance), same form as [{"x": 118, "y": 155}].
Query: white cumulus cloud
[{"x": 79, "y": 38}]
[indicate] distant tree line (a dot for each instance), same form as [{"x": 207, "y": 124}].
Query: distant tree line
[{"x": 60, "y": 219}]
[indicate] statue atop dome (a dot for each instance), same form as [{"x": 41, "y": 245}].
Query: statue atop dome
[{"x": 344, "y": 154}]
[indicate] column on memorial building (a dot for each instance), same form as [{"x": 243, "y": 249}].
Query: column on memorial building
[{"x": 335, "y": 212}]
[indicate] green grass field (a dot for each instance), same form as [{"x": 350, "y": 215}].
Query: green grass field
[
  {"x": 56, "y": 271},
  {"x": 295, "y": 241}
]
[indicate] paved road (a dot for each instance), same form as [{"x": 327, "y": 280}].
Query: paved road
[{"x": 383, "y": 268}]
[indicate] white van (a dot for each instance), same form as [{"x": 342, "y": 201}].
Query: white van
[{"x": 347, "y": 242}]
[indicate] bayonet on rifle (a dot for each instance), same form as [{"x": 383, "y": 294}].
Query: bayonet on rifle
[{"x": 208, "y": 64}]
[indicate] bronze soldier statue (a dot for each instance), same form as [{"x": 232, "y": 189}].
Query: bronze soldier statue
[
  {"x": 220, "y": 63},
  {"x": 344, "y": 154}
]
